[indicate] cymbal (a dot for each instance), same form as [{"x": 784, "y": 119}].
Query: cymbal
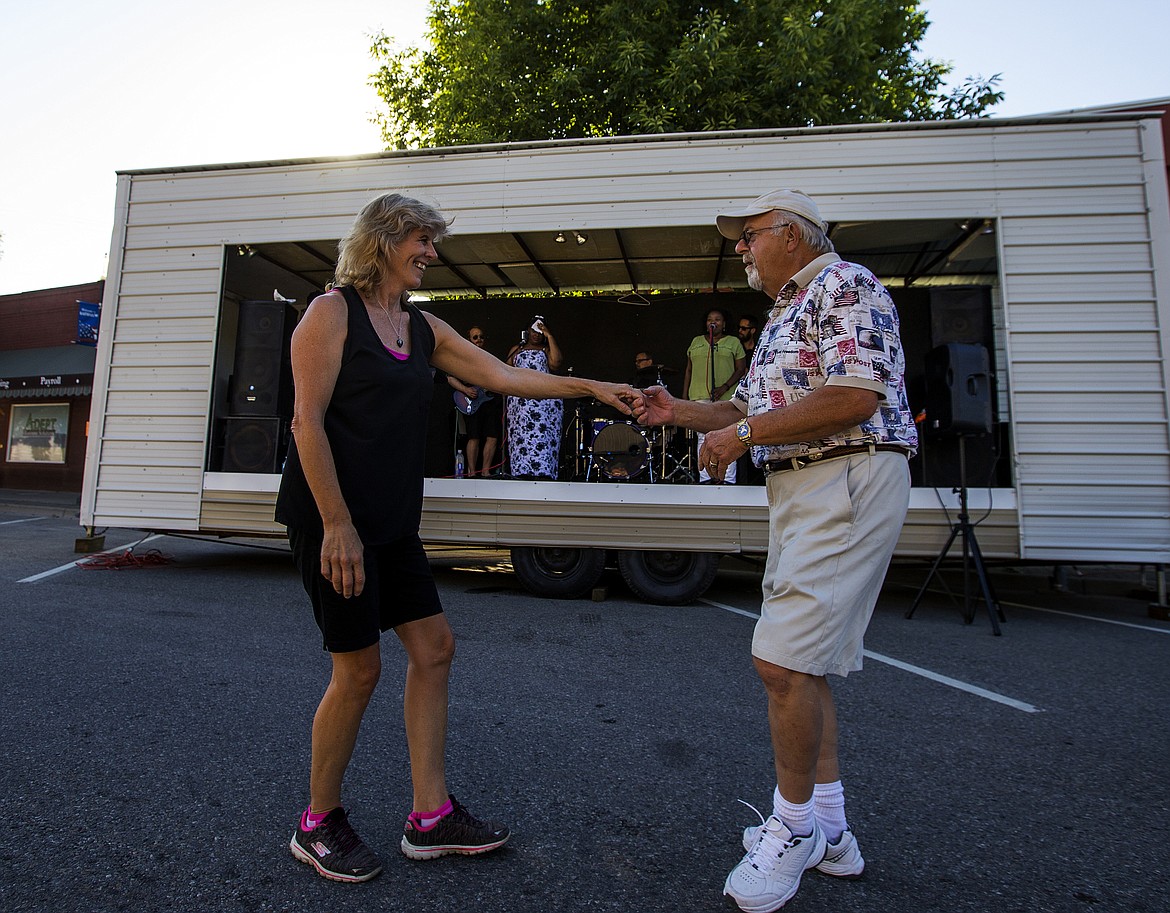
[{"x": 664, "y": 369}]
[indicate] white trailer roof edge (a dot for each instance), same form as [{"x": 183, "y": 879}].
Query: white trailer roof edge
[{"x": 642, "y": 140}]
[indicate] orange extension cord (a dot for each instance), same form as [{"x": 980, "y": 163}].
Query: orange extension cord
[{"x": 127, "y": 559}]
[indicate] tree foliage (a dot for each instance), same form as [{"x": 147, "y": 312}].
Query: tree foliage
[{"x": 511, "y": 70}]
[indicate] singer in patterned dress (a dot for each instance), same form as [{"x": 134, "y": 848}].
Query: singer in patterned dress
[{"x": 534, "y": 425}]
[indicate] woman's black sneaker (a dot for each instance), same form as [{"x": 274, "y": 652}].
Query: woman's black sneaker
[
  {"x": 335, "y": 850},
  {"x": 458, "y": 831}
]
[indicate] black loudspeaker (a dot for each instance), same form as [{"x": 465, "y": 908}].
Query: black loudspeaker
[
  {"x": 958, "y": 389},
  {"x": 251, "y": 444},
  {"x": 262, "y": 376},
  {"x": 960, "y": 315},
  {"x": 939, "y": 457}
]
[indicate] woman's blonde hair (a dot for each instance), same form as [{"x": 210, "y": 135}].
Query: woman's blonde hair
[{"x": 383, "y": 223}]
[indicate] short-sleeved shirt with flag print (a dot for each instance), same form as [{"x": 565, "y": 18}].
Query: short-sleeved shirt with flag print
[{"x": 833, "y": 323}]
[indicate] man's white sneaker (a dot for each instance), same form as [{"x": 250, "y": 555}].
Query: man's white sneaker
[
  {"x": 768, "y": 876},
  {"x": 842, "y": 859}
]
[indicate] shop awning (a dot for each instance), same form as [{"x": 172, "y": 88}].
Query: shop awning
[{"x": 57, "y": 371}]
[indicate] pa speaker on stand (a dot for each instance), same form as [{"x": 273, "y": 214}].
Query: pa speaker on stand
[
  {"x": 958, "y": 389},
  {"x": 958, "y": 404}
]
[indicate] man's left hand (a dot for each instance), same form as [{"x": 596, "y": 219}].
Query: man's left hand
[{"x": 720, "y": 449}]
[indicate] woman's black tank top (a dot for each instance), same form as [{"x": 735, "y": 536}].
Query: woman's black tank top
[{"x": 376, "y": 424}]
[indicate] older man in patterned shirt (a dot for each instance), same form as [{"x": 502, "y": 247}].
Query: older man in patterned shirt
[{"x": 823, "y": 411}]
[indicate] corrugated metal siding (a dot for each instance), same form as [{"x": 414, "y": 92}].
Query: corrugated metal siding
[
  {"x": 606, "y": 522},
  {"x": 1088, "y": 397},
  {"x": 714, "y": 527},
  {"x": 240, "y": 512},
  {"x": 597, "y": 521},
  {"x": 1077, "y": 312},
  {"x": 156, "y": 400},
  {"x": 925, "y": 533}
]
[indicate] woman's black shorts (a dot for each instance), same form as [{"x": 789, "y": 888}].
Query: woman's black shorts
[{"x": 399, "y": 589}]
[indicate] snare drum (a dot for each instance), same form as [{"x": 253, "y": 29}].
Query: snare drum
[{"x": 620, "y": 450}]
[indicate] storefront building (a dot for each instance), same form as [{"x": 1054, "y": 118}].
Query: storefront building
[{"x": 47, "y": 348}]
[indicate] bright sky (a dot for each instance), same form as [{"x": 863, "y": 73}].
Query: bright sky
[{"x": 93, "y": 88}]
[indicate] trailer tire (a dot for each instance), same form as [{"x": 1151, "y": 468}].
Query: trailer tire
[
  {"x": 562, "y": 573},
  {"x": 668, "y": 578}
]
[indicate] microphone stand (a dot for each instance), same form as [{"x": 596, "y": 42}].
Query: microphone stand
[{"x": 711, "y": 361}]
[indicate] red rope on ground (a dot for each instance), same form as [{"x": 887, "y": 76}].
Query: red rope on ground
[{"x": 127, "y": 559}]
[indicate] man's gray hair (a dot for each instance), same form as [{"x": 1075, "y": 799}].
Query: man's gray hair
[{"x": 811, "y": 234}]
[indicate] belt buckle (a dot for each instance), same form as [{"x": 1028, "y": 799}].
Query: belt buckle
[{"x": 801, "y": 462}]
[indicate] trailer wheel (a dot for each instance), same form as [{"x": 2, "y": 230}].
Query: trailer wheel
[
  {"x": 563, "y": 573},
  {"x": 668, "y": 578}
]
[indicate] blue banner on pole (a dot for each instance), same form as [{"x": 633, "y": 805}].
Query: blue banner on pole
[{"x": 89, "y": 315}]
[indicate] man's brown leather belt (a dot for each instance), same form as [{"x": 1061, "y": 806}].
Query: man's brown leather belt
[{"x": 800, "y": 462}]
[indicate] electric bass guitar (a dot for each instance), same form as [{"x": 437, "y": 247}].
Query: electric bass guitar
[{"x": 466, "y": 404}]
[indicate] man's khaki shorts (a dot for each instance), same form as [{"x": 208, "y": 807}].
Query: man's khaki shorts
[{"x": 833, "y": 527}]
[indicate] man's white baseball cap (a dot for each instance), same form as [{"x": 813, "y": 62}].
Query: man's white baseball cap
[{"x": 730, "y": 224}]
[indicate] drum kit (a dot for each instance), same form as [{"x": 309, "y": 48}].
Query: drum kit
[{"x": 602, "y": 445}]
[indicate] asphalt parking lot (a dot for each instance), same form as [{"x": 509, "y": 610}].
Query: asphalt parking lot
[{"x": 155, "y": 728}]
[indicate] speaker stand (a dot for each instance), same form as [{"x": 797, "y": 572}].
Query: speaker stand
[{"x": 972, "y": 556}]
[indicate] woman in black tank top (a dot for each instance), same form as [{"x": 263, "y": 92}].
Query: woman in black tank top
[{"x": 351, "y": 496}]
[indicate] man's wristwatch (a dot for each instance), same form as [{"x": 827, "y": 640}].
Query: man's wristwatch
[{"x": 743, "y": 431}]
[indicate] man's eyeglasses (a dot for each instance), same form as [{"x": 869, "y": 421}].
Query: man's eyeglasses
[
  {"x": 478, "y": 338},
  {"x": 744, "y": 326},
  {"x": 749, "y": 234},
  {"x": 639, "y": 361}
]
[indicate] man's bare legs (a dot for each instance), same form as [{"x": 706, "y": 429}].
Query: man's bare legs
[
  {"x": 803, "y": 723},
  {"x": 490, "y": 446},
  {"x": 472, "y": 465}
]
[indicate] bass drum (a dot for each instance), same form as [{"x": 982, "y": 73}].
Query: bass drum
[{"x": 620, "y": 451}]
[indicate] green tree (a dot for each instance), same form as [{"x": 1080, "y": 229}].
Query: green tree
[{"x": 512, "y": 70}]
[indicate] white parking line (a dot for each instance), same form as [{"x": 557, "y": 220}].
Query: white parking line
[
  {"x": 916, "y": 670},
  {"x": 1104, "y": 621},
  {"x": 72, "y": 564},
  {"x": 953, "y": 682},
  {"x": 25, "y": 520},
  {"x": 1036, "y": 608}
]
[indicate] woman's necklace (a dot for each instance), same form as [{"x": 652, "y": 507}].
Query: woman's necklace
[{"x": 397, "y": 329}]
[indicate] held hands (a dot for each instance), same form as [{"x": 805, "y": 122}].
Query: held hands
[
  {"x": 621, "y": 396},
  {"x": 653, "y": 406}
]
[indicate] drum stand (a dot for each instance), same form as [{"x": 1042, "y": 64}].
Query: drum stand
[
  {"x": 572, "y": 468},
  {"x": 971, "y": 556},
  {"x": 664, "y": 465},
  {"x": 675, "y": 467}
]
